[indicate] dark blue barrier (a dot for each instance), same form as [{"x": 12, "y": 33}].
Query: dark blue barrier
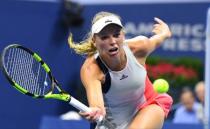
[
  {"x": 168, "y": 125},
  {"x": 49, "y": 122},
  {"x": 56, "y": 123}
]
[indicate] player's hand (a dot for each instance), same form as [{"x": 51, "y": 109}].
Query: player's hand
[
  {"x": 161, "y": 28},
  {"x": 93, "y": 115}
]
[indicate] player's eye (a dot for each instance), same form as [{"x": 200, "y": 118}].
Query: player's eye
[
  {"x": 104, "y": 37},
  {"x": 116, "y": 35}
]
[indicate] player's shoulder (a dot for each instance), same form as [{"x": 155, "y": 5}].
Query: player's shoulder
[
  {"x": 90, "y": 70},
  {"x": 139, "y": 45},
  {"x": 90, "y": 65},
  {"x": 137, "y": 39},
  {"x": 138, "y": 42}
]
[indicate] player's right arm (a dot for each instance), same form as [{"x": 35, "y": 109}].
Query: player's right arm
[{"x": 91, "y": 77}]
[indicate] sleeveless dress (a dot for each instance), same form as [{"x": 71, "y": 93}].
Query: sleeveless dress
[{"x": 127, "y": 91}]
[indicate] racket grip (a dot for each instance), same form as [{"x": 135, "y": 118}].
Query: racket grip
[
  {"x": 78, "y": 105},
  {"x": 100, "y": 119},
  {"x": 101, "y": 122}
]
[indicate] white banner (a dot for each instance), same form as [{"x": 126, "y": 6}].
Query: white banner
[{"x": 207, "y": 73}]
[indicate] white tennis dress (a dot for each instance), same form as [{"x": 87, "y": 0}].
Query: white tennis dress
[{"x": 126, "y": 91}]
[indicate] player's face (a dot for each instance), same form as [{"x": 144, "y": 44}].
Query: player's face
[{"x": 109, "y": 41}]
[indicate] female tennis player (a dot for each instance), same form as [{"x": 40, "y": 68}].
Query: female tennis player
[{"x": 115, "y": 77}]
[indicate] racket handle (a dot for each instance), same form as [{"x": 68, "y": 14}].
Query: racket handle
[
  {"x": 101, "y": 122},
  {"x": 78, "y": 105},
  {"x": 100, "y": 119}
]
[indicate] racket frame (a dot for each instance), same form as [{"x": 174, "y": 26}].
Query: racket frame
[{"x": 62, "y": 95}]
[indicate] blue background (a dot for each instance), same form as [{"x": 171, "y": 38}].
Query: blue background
[{"x": 37, "y": 25}]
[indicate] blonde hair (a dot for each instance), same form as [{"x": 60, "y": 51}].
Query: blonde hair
[{"x": 87, "y": 47}]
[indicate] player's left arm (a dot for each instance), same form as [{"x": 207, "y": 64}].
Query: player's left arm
[
  {"x": 161, "y": 32},
  {"x": 142, "y": 46}
]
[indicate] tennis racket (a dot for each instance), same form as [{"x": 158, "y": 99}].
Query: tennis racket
[{"x": 29, "y": 74}]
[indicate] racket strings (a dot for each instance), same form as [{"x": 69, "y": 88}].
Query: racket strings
[{"x": 26, "y": 71}]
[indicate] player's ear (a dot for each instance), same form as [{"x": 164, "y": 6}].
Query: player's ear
[{"x": 94, "y": 41}]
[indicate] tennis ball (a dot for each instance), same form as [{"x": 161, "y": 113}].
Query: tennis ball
[{"x": 161, "y": 85}]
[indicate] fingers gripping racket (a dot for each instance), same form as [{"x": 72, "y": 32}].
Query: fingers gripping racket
[{"x": 29, "y": 74}]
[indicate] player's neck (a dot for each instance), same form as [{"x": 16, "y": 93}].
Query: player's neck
[{"x": 116, "y": 63}]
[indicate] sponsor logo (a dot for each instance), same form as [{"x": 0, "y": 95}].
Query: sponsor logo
[
  {"x": 123, "y": 77},
  {"x": 107, "y": 21}
]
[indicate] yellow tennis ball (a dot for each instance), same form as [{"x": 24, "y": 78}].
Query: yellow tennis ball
[{"x": 161, "y": 85}]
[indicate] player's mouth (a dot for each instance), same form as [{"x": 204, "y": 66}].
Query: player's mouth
[{"x": 113, "y": 51}]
